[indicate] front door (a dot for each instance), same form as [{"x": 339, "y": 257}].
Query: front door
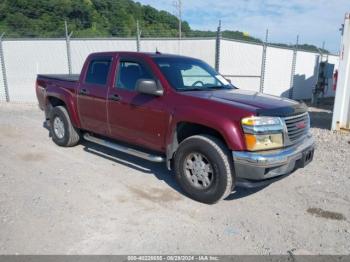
[
  {"x": 92, "y": 95},
  {"x": 134, "y": 117}
]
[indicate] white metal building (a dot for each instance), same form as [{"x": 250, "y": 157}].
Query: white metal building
[{"x": 341, "y": 113}]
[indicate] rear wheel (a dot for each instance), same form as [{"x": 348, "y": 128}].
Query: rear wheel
[
  {"x": 62, "y": 131},
  {"x": 203, "y": 168}
]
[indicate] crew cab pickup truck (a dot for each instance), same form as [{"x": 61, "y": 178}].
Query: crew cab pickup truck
[{"x": 178, "y": 110}]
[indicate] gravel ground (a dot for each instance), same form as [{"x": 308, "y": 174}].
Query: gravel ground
[{"x": 90, "y": 200}]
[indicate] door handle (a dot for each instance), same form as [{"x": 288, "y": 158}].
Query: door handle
[
  {"x": 83, "y": 92},
  {"x": 114, "y": 97}
]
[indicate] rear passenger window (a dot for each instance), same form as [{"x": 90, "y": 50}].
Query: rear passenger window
[
  {"x": 98, "y": 71},
  {"x": 129, "y": 73}
]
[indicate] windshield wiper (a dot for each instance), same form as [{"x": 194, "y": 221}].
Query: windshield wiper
[
  {"x": 205, "y": 88},
  {"x": 219, "y": 87},
  {"x": 193, "y": 89}
]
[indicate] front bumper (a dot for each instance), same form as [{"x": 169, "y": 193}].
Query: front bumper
[{"x": 261, "y": 167}]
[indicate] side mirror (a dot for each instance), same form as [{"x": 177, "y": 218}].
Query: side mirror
[{"x": 148, "y": 86}]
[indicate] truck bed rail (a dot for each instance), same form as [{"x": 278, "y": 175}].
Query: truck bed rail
[{"x": 62, "y": 77}]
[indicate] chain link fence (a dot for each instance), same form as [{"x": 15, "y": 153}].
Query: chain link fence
[{"x": 259, "y": 67}]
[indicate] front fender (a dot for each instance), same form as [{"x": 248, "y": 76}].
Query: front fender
[{"x": 229, "y": 129}]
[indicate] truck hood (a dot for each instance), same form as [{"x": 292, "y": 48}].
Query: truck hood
[{"x": 255, "y": 102}]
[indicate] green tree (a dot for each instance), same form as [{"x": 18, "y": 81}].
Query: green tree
[{"x": 98, "y": 18}]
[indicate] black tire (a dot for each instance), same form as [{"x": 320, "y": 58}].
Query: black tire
[
  {"x": 214, "y": 152},
  {"x": 71, "y": 135}
]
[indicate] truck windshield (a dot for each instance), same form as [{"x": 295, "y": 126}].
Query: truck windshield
[{"x": 189, "y": 74}]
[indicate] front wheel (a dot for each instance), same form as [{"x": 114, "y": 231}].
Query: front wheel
[
  {"x": 61, "y": 128},
  {"x": 203, "y": 168}
]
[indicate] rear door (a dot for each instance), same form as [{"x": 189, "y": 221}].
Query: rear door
[
  {"x": 92, "y": 95},
  {"x": 133, "y": 117}
]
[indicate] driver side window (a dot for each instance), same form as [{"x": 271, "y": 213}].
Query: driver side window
[{"x": 128, "y": 74}]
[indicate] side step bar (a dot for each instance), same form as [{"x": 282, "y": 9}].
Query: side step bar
[{"x": 124, "y": 149}]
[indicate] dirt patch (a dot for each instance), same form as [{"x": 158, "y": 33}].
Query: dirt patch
[
  {"x": 32, "y": 157},
  {"x": 318, "y": 212},
  {"x": 156, "y": 194},
  {"x": 9, "y": 131}
]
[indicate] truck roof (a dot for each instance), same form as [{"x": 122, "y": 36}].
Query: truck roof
[{"x": 142, "y": 54}]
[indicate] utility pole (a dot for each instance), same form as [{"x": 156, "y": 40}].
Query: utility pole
[
  {"x": 267, "y": 36},
  {"x": 178, "y": 6},
  {"x": 323, "y": 50}
]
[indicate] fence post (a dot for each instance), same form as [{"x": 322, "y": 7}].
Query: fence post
[
  {"x": 68, "y": 36},
  {"x": 3, "y": 67},
  {"x": 263, "y": 63},
  {"x": 138, "y": 35},
  {"x": 217, "y": 47},
  {"x": 294, "y": 61}
]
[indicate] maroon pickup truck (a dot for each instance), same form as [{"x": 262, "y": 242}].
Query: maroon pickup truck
[{"x": 178, "y": 110}]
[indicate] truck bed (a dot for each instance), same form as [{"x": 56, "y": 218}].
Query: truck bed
[{"x": 62, "y": 77}]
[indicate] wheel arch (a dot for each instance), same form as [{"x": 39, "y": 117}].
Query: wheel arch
[
  {"x": 185, "y": 129},
  {"x": 53, "y": 100}
]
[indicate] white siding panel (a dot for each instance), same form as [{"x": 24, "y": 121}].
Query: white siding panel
[
  {"x": 80, "y": 49},
  {"x": 246, "y": 83},
  {"x": 278, "y": 71},
  {"x": 305, "y": 77},
  {"x": 164, "y": 46},
  {"x": 240, "y": 58},
  {"x": 25, "y": 59},
  {"x": 203, "y": 49}
]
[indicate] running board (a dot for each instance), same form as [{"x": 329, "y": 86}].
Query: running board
[{"x": 124, "y": 149}]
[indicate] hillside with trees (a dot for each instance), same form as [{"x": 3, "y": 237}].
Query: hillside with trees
[{"x": 96, "y": 18}]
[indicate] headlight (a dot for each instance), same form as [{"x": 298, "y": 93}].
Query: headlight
[{"x": 262, "y": 133}]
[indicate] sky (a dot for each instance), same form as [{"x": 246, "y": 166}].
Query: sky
[{"x": 314, "y": 21}]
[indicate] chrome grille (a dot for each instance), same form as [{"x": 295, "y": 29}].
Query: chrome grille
[{"x": 297, "y": 126}]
